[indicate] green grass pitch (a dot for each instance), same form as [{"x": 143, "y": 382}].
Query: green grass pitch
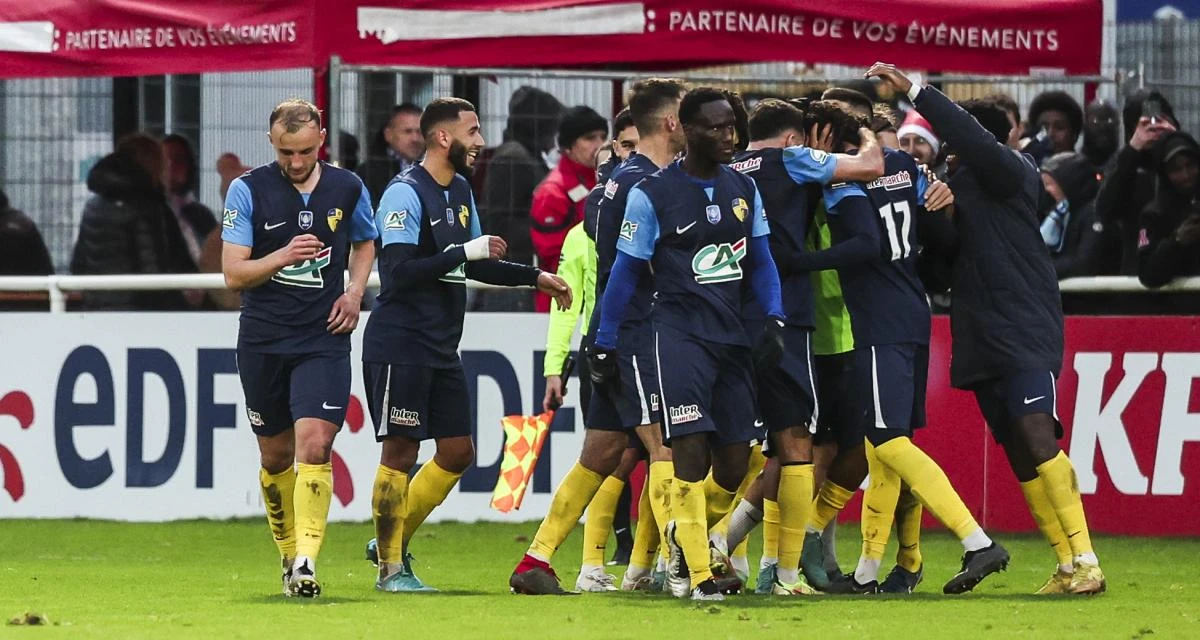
[{"x": 205, "y": 579}]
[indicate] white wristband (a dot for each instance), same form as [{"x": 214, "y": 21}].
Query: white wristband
[
  {"x": 477, "y": 249},
  {"x": 913, "y": 92}
]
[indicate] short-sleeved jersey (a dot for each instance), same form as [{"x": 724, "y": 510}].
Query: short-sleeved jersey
[
  {"x": 695, "y": 233},
  {"x": 263, "y": 210},
  {"x": 782, "y": 176},
  {"x": 421, "y": 324},
  {"x": 610, "y": 212},
  {"x": 885, "y": 297}
]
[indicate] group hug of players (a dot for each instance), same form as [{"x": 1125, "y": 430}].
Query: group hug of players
[{"x": 761, "y": 279}]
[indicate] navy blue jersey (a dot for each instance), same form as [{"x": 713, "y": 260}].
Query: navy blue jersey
[
  {"x": 885, "y": 297},
  {"x": 263, "y": 210},
  {"x": 610, "y": 212},
  {"x": 421, "y": 322},
  {"x": 695, "y": 235},
  {"x": 782, "y": 176},
  {"x": 591, "y": 204}
]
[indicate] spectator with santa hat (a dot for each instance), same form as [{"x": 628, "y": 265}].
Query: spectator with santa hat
[{"x": 919, "y": 141}]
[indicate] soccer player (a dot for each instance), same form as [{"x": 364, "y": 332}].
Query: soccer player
[
  {"x": 786, "y": 396},
  {"x": 290, "y": 229},
  {"x": 1007, "y": 319},
  {"x": 874, "y": 241},
  {"x": 416, "y": 390},
  {"x": 694, "y": 223},
  {"x": 635, "y": 405}
]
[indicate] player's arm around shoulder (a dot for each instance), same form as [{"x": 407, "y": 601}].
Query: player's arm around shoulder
[{"x": 237, "y": 233}]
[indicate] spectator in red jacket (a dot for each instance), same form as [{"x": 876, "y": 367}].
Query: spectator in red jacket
[{"x": 558, "y": 200}]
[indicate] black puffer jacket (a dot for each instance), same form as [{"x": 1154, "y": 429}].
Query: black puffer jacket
[
  {"x": 1007, "y": 313},
  {"x": 128, "y": 228}
]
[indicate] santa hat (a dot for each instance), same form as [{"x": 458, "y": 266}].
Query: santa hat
[{"x": 914, "y": 123}]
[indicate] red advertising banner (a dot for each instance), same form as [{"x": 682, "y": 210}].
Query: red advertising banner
[
  {"x": 143, "y": 37},
  {"x": 66, "y": 38},
  {"x": 1129, "y": 401},
  {"x": 974, "y": 36}
]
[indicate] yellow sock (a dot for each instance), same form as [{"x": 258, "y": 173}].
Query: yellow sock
[
  {"x": 1062, "y": 488},
  {"x": 831, "y": 499},
  {"x": 878, "y": 506},
  {"x": 691, "y": 532},
  {"x": 600, "y": 514},
  {"x": 278, "y": 492},
  {"x": 570, "y": 499},
  {"x": 795, "y": 504},
  {"x": 646, "y": 536},
  {"x": 426, "y": 491},
  {"x": 1047, "y": 519},
  {"x": 314, "y": 490},
  {"x": 908, "y": 531},
  {"x": 661, "y": 477},
  {"x": 770, "y": 524},
  {"x": 389, "y": 504},
  {"x": 718, "y": 502},
  {"x": 929, "y": 483}
]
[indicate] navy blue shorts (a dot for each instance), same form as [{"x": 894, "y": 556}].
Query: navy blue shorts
[
  {"x": 1003, "y": 400},
  {"x": 417, "y": 402},
  {"x": 889, "y": 391},
  {"x": 786, "y": 396},
  {"x": 638, "y": 403},
  {"x": 709, "y": 389},
  {"x": 283, "y": 388},
  {"x": 835, "y": 380}
]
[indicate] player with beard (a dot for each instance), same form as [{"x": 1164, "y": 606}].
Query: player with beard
[
  {"x": 286, "y": 246},
  {"x": 415, "y": 385}
]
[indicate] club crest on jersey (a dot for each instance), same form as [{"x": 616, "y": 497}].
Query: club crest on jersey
[
  {"x": 449, "y": 215},
  {"x": 308, "y": 273},
  {"x": 713, "y": 212},
  {"x": 740, "y": 208},
  {"x": 394, "y": 220},
  {"x": 464, "y": 214},
  {"x": 306, "y": 220},
  {"x": 610, "y": 189},
  {"x": 628, "y": 229},
  {"x": 719, "y": 262},
  {"x": 228, "y": 217},
  {"x": 894, "y": 182},
  {"x": 333, "y": 217}
]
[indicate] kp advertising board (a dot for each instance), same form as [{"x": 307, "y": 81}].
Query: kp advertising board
[{"x": 140, "y": 417}]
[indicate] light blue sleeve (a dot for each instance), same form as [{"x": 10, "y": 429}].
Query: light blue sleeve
[
  {"x": 922, "y": 185},
  {"x": 362, "y": 223},
  {"x": 838, "y": 192},
  {"x": 806, "y": 165},
  {"x": 639, "y": 229},
  {"x": 475, "y": 230},
  {"x": 399, "y": 215},
  {"x": 237, "y": 221},
  {"x": 759, "y": 226}
]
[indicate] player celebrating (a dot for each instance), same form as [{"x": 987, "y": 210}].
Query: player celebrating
[
  {"x": 635, "y": 405},
  {"x": 1010, "y": 365},
  {"x": 287, "y": 243},
  {"x": 781, "y": 168},
  {"x": 416, "y": 388},
  {"x": 695, "y": 222}
]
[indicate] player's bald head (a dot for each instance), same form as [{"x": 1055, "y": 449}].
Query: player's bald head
[
  {"x": 295, "y": 113},
  {"x": 653, "y": 99}
]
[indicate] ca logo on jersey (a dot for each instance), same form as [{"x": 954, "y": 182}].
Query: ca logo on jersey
[
  {"x": 719, "y": 262},
  {"x": 228, "y": 218},
  {"x": 394, "y": 220},
  {"x": 627, "y": 230},
  {"x": 333, "y": 217},
  {"x": 740, "y": 208},
  {"x": 305, "y": 274},
  {"x": 457, "y": 275}
]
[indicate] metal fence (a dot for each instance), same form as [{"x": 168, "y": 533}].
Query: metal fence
[{"x": 1164, "y": 55}]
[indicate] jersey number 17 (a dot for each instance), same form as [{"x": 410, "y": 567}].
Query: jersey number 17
[{"x": 898, "y": 241}]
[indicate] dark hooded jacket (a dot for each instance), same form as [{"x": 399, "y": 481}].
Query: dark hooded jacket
[
  {"x": 128, "y": 228},
  {"x": 516, "y": 168},
  {"x": 1161, "y": 258},
  {"x": 1089, "y": 248}
]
